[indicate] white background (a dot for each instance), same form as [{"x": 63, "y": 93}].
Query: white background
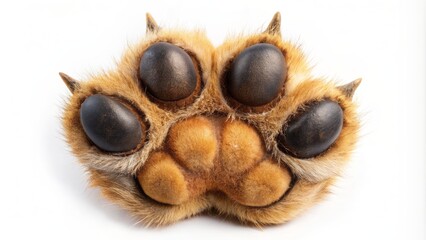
[{"x": 382, "y": 194}]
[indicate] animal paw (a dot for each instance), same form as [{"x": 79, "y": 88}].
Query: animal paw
[{"x": 181, "y": 127}]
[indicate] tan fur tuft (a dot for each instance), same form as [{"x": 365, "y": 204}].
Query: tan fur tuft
[
  {"x": 194, "y": 144},
  {"x": 241, "y": 147},
  {"x": 162, "y": 180},
  {"x": 265, "y": 184}
]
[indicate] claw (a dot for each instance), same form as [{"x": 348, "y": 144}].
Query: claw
[
  {"x": 349, "y": 89},
  {"x": 71, "y": 83},
  {"x": 151, "y": 25},
  {"x": 274, "y": 27}
]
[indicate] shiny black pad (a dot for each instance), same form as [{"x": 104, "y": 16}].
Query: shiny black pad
[
  {"x": 257, "y": 75},
  {"x": 167, "y": 72},
  {"x": 110, "y": 124},
  {"x": 313, "y": 130}
]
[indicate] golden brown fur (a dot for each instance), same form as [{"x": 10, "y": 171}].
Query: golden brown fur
[{"x": 117, "y": 176}]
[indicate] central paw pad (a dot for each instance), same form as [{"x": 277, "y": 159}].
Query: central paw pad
[{"x": 213, "y": 155}]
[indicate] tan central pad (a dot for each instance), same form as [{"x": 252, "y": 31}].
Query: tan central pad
[{"x": 204, "y": 154}]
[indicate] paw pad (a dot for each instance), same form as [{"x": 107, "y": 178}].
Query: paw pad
[{"x": 238, "y": 166}]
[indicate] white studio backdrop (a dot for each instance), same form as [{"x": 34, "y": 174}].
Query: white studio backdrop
[{"x": 382, "y": 195}]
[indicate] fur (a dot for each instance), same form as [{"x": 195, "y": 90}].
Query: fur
[{"x": 308, "y": 181}]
